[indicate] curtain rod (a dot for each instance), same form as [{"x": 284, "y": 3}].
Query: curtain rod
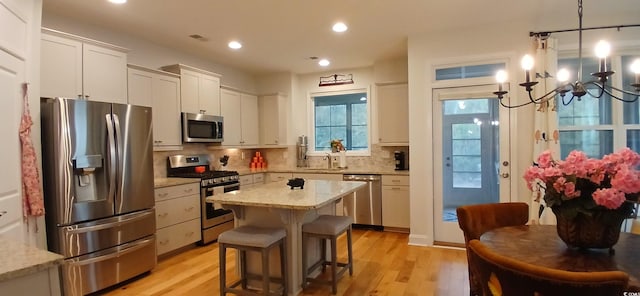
[{"x": 547, "y": 33}]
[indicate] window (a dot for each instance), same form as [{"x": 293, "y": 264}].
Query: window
[
  {"x": 342, "y": 116},
  {"x": 463, "y": 72},
  {"x": 593, "y": 125}
]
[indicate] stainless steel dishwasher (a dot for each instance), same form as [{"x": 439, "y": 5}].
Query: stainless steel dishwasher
[{"x": 365, "y": 205}]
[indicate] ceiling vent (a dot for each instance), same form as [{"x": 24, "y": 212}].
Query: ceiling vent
[{"x": 199, "y": 37}]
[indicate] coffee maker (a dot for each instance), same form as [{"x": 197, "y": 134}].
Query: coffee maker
[{"x": 400, "y": 160}]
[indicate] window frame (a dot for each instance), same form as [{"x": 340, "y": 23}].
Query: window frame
[
  {"x": 617, "y": 126},
  {"x": 311, "y": 119}
]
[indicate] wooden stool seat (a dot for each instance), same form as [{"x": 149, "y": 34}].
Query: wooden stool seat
[
  {"x": 327, "y": 227},
  {"x": 251, "y": 238}
]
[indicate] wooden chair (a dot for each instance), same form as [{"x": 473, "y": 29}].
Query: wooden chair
[
  {"x": 500, "y": 275},
  {"x": 474, "y": 220}
]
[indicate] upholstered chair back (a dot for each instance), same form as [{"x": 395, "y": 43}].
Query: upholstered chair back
[{"x": 474, "y": 220}]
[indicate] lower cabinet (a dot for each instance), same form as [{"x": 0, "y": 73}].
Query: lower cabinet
[
  {"x": 395, "y": 202},
  {"x": 177, "y": 216},
  {"x": 251, "y": 180},
  {"x": 45, "y": 282},
  {"x": 275, "y": 177}
]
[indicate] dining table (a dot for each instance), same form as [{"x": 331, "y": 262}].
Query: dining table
[
  {"x": 540, "y": 245},
  {"x": 279, "y": 204}
]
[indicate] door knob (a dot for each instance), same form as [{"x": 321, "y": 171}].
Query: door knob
[{"x": 504, "y": 175}]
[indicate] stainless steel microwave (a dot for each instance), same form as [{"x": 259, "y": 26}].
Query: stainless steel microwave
[{"x": 201, "y": 128}]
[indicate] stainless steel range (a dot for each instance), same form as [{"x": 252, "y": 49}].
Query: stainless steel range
[{"x": 214, "y": 219}]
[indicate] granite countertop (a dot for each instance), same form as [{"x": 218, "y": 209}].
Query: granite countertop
[
  {"x": 20, "y": 259},
  {"x": 316, "y": 194},
  {"x": 166, "y": 182},
  {"x": 325, "y": 171}
]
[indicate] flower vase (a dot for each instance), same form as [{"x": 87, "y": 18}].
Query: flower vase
[{"x": 599, "y": 230}]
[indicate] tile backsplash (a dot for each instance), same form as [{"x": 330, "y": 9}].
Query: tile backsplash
[{"x": 276, "y": 158}]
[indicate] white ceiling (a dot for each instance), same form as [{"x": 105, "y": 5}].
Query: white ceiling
[{"x": 281, "y": 35}]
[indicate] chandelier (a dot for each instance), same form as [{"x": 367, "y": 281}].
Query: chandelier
[{"x": 568, "y": 91}]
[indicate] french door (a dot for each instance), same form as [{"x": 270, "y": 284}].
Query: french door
[{"x": 471, "y": 155}]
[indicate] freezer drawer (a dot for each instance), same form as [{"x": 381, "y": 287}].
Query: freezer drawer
[
  {"x": 88, "y": 237},
  {"x": 99, "y": 270}
]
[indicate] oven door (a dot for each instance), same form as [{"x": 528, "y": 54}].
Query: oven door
[{"x": 213, "y": 213}]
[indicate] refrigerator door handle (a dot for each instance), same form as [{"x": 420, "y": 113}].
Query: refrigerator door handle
[
  {"x": 120, "y": 160},
  {"x": 112, "y": 156}
]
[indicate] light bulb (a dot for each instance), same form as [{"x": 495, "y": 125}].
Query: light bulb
[
  {"x": 603, "y": 48},
  {"x": 527, "y": 62},
  {"x": 235, "y": 45},
  {"x": 324, "y": 62},
  {"x": 563, "y": 75},
  {"x": 501, "y": 76},
  {"x": 635, "y": 66},
  {"x": 339, "y": 27}
]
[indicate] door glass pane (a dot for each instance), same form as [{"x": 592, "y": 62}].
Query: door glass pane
[
  {"x": 633, "y": 140},
  {"x": 631, "y": 110},
  {"x": 470, "y": 150}
]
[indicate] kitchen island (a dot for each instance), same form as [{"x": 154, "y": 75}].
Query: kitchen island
[{"x": 277, "y": 205}]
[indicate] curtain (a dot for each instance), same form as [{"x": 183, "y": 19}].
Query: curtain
[{"x": 545, "y": 132}]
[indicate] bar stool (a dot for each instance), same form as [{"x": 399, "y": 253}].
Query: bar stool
[
  {"x": 327, "y": 227},
  {"x": 251, "y": 238}
]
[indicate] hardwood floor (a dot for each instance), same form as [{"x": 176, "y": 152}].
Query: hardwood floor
[{"x": 383, "y": 265}]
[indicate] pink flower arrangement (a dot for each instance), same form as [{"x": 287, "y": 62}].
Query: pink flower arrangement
[{"x": 580, "y": 184}]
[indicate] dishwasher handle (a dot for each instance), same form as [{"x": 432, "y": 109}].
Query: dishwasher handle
[{"x": 366, "y": 178}]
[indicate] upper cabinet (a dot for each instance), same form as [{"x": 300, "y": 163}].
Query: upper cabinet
[
  {"x": 199, "y": 89},
  {"x": 393, "y": 111},
  {"x": 273, "y": 119},
  {"x": 240, "y": 113},
  {"x": 77, "y": 67},
  {"x": 161, "y": 91}
]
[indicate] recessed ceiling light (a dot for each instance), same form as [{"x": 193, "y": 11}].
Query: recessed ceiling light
[
  {"x": 324, "y": 62},
  {"x": 118, "y": 1},
  {"x": 235, "y": 45},
  {"x": 339, "y": 27}
]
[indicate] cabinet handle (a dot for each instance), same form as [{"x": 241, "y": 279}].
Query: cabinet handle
[
  {"x": 396, "y": 181},
  {"x": 202, "y": 111},
  {"x": 2, "y": 213},
  {"x": 163, "y": 194},
  {"x": 188, "y": 190},
  {"x": 164, "y": 242},
  {"x": 396, "y": 188},
  {"x": 189, "y": 233},
  {"x": 86, "y": 97},
  {"x": 189, "y": 209},
  {"x": 163, "y": 215}
]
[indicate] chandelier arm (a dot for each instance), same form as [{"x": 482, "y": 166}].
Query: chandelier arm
[
  {"x": 622, "y": 99},
  {"x": 568, "y": 102},
  {"x": 603, "y": 89}
]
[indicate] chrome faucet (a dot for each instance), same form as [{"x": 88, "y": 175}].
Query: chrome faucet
[{"x": 328, "y": 157}]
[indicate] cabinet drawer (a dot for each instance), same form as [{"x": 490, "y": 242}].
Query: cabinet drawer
[
  {"x": 173, "y": 211},
  {"x": 179, "y": 235},
  {"x": 258, "y": 178},
  {"x": 246, "y": 180},
  {"x": 177, "y": 191},
  {"x": 395, "y": 180}
]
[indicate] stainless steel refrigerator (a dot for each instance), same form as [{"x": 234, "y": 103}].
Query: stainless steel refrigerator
[{"x": 98, "y": 190}]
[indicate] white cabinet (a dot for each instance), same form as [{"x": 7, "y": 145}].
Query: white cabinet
[
  {"x": 395, "y": 202},
  {"x": 77, "y": 67},
  {"x": 45, "y": 282},
  {"x": 276, "y": 177},
  {"x": 251, "y": 180},
  {"x": 273, "y": 119},
  {"x": 161, "y": 91},
  {"x": 177, "y": 216},
  {"x": 199, "y": 89},
  {"x": 393, "y": 111},
  {"x": 240, "y": 113}
]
